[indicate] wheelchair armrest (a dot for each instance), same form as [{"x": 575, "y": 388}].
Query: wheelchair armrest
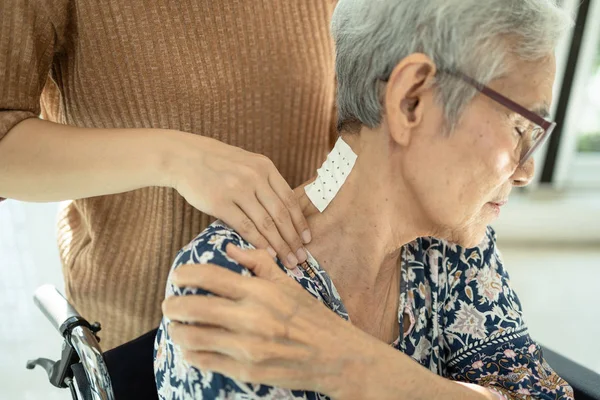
[
  {"x": 584, "y": 381},
  {"x": 80, "y": 339}
]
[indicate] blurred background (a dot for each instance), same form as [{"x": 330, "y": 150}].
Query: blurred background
[{"x": 549, "y": 235}]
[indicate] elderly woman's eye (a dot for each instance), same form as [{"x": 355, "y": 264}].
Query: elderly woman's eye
[{"x": 520, "y": 131}]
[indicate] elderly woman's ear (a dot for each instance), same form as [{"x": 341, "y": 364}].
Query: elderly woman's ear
[{"x": 408, "y": 95}]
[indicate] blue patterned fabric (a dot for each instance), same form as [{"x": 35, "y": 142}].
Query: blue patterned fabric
[{"x": 466, "y": 322}]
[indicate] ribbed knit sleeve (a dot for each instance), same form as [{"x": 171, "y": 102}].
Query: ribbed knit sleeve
[{"x": 30, "y": 32}]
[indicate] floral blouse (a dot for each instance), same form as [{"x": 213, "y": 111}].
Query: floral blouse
[{"x": 466, "y": 322}]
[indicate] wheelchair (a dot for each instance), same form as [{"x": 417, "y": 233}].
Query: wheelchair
[{"x": 127, "y": 372}]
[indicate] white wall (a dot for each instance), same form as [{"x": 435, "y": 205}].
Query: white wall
[{"x": 28, "y": 259}]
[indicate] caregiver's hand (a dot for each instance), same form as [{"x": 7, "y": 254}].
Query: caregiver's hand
[
  {"x": 266, "y": 329},
  {"x": 246, "y": 191},
  {"x": 243, "y": 189}
]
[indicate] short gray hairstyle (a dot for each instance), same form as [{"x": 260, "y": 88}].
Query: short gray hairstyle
[{"x": 373, "y": 36}]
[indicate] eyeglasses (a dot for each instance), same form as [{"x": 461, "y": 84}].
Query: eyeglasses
[{"x": 535, "y": 135}]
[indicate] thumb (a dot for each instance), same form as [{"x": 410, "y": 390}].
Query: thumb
[{"x": 257, "y": 261}]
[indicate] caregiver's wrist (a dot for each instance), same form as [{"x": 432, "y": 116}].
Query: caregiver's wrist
[{"x": 173, "y": 149}]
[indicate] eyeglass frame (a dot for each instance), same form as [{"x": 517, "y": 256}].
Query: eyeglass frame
[{"x": 546, "y": 125}]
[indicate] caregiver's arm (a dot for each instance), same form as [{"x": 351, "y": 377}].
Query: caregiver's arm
[{"x": 43, "y": 161}]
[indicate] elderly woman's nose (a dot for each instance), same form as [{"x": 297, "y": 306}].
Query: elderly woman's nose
[{"x": 524, "y": 174}]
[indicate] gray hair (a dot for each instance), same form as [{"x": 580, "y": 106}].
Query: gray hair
[{"x": 373, "y": 36}]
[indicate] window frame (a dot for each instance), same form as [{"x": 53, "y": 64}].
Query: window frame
[{"x": 564, "y": 167}]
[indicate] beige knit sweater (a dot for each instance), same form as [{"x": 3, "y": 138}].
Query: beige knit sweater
[{"x": 257, "y": 74}]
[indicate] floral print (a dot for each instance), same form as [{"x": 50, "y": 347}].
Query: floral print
[{"x": 466, "y": 322}]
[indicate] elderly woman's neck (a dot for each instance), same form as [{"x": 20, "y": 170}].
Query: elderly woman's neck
[{"x": 361, "y": 232}]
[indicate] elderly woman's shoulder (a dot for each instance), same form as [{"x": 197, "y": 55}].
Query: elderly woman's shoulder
[{"x": 209, "y": 247}]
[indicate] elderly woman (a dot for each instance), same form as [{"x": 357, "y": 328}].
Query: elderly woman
[{"x": 441, "y": 104}]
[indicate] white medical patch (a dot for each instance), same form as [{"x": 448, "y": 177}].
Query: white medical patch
[{"x": 332, "y": 175}]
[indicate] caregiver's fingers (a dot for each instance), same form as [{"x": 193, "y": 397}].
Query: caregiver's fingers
[
  {"x": 245, "y": 348},
  {"x": 215, "y": 279},
  {"x": 246, "y": 227},
  {"x": 268, "y": 226},
  {"x": 282, "y": 218},
  {"x": 290, "y": 201},
  {"x": 258, "y": 262}
]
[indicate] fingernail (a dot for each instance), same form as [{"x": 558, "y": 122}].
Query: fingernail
[
  {"x": 301, "y": 255},
  {"x": 271, "y": 252},
  {"x": 306, "y": 237},
  {"x": 292, "y": 260}
]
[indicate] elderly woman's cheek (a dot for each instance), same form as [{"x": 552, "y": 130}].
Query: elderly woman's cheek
[{"x": 502, "y": 165}]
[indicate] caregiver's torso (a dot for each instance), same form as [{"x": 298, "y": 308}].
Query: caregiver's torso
[{"x": 255, "y": 74}]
